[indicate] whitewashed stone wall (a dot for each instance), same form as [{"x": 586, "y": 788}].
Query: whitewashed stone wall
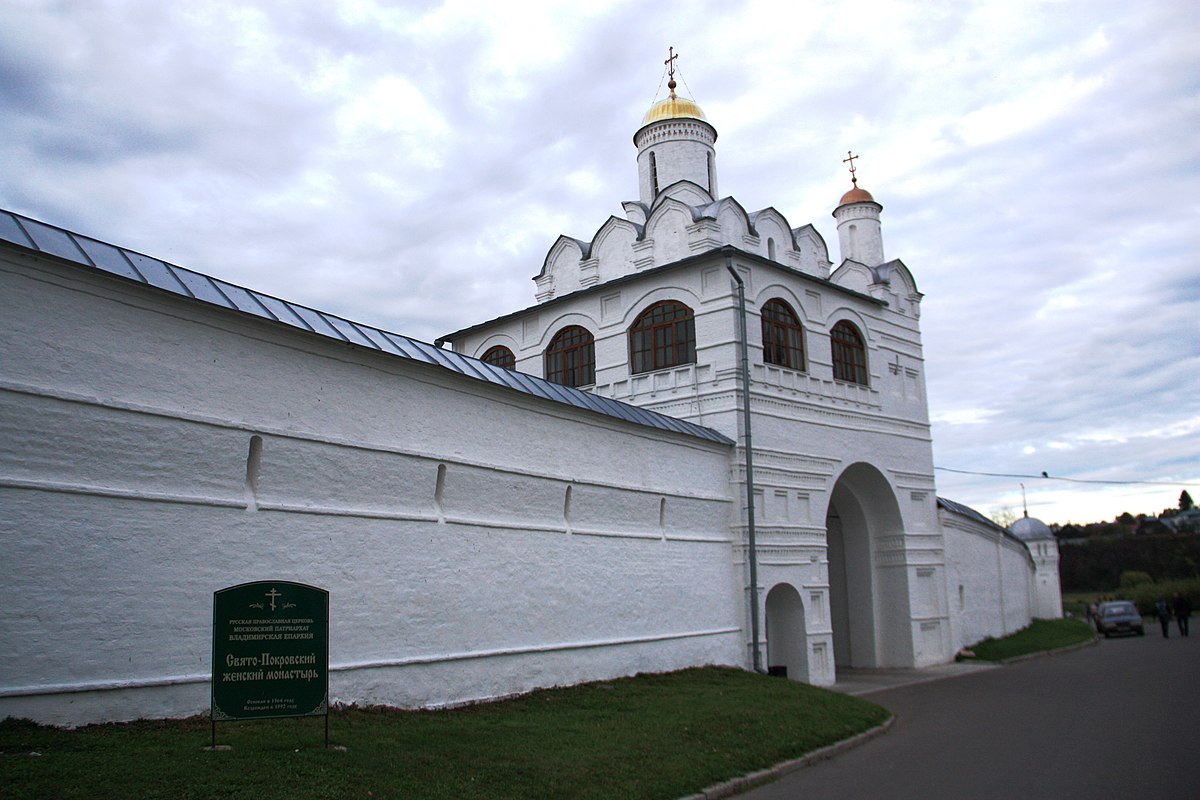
[
  {"x": 990, "y": 580},
  {"x": 475, "y": 542},
  {"x": 1047, "y": 583}
]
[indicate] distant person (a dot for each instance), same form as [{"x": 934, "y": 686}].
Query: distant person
[
  {"x": 1090, "y": 608},
  {"x": 1163, "y": 610},
  {"x": 1183, "y": 610}
]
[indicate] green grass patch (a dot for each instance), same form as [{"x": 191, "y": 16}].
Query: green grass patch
[
  {"x": 651, "y": 736},
  {"x": 1040, "y": 636}
]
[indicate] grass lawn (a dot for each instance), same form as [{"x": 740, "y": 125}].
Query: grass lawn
[
  {"x": 1041, "y": 635},
  {"x": 651, "y": 736}
]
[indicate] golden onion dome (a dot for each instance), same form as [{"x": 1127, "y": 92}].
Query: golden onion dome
[{"x": 673, "y": 107}]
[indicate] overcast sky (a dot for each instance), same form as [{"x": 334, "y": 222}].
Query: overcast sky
[{"x": 409, "y": 164}]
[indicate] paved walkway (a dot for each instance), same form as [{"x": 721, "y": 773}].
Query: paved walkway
[
  {"x": 1118, "y": 720},
  {"x": 860, "y": 682}
]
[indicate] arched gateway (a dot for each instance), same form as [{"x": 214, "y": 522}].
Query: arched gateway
[
  {"x": 868, "y": 586},
  {"x": 786, "y": 634}
]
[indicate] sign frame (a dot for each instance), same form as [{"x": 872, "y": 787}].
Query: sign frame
[{"x": 270, "y": 652}]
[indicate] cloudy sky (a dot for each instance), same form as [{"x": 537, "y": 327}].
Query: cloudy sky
[{"x": 408, "y": 164}]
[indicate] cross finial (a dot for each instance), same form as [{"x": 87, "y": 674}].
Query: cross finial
[
  {"x": 670, "y": 62},
  {"x": 850, "y": 161}
]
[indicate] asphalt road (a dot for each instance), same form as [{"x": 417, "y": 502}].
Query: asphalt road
[{"x": 1118, "y": 720}]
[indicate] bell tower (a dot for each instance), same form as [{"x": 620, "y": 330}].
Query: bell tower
[
  {"x": 675, "y": 143},
  {"x": 859, "y": 232}
]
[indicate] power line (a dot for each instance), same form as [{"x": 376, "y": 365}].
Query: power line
[{"x": 1045, "y": 476}]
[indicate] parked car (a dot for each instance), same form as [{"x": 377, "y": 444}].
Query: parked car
[{"x": 1119, "y": 616}]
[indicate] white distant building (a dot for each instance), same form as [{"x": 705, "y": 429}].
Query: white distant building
[{"x": 563, "y": 497}]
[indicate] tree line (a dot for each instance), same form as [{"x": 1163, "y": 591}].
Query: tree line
[{"x": 1096, "y": 563}]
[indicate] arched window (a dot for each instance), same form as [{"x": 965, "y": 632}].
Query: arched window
[
  {"x": 782, "y": 336},
  {"x": 571, "y": 357},
  {"x": 849, "y": 354},
  {"x": 500, "y": 356},
  {"x": 654, "y": 173},
  {"x": 664, "y": 335}
]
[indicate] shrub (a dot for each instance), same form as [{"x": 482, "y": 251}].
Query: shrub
[
  {"x": 1133, "y": 577},
  {"x": 1146, "y": 595}
]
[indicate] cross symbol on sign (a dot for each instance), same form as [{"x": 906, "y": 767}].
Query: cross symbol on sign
[{"x": 273, "y": 594}]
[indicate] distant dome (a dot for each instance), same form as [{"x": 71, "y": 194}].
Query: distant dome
[
  {"x": 1029, "y": 529},
  {"x": 856, "y": 195},
  {"x": 673, "y": 107}
]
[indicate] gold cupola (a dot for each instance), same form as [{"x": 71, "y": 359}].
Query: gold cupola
[{"x": 673, "y": 107}]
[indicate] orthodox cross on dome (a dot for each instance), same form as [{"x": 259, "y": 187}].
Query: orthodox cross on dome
[
  {"x": 850, "y": 160},
  {"x": 670, "y": 62}
]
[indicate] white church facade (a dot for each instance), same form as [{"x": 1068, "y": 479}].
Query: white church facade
[{"x": 597, "y": 485}]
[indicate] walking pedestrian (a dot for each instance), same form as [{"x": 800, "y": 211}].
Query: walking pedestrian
[
  {"x": 1163, "y": 610},
  {"x": 1183, "y": 610}
]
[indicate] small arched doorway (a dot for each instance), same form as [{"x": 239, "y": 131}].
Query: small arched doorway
[
  {"x": 787, "y": 637},
  {"x": 868, "y": 594}
]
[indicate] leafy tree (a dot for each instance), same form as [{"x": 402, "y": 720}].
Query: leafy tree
[
  {"x": 1126, "y": 518},
  {"x": 1004, "y": 517},
  {"x": 1185, "y": 501}
]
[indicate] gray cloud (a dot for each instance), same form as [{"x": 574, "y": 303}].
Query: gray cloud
[{"x": 409, "y": 165}]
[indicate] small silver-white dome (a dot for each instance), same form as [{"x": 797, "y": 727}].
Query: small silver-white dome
[{"x": 1029, "y": 529}]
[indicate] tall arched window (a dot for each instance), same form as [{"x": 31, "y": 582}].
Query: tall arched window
[
  {"x": 500, "y": 356},
  {"x": 782, "y": 336},
  {"x": 654, "y": 173},
  {"x": 664, "y": 335},
  {"x": 571, "y": 357},
  {"x": 849, "y": 354}
]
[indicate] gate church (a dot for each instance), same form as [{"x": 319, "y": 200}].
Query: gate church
[{"x": 567, "y": 493}]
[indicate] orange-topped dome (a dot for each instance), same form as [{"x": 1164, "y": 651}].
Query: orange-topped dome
[{"x": 856, "y": 195}]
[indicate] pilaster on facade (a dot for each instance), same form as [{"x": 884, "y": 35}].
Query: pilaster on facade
[
  {"x": 643, "y": 253},
  {"x": 890, "y": 551},
  {"x": 880, "y": 291},
  {"x": 589, "y": 272},
  {"x": 545, "y": 288},
  {"x": 914, "y": 304},
  {"x": 704, "y": 235},
  {"x": 924, "y": 550}
]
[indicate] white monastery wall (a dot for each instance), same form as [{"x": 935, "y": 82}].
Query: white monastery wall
[
  {"x": 989, "y": 576},
  {"x": 1048, "y": 586},
  {"x": 475, "y": 543}
]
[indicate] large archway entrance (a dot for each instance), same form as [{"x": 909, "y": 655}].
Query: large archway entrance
[
  {"x": 787, "y": 639},
  {"x": 868, "y": 596}
]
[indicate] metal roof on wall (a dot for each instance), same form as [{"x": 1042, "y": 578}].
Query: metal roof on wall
[
  {"x": 967, "y": 511},
  {"x": 91, "y": 253}
]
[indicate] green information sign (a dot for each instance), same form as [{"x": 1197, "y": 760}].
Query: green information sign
[{"x": 270, "y": 651}]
